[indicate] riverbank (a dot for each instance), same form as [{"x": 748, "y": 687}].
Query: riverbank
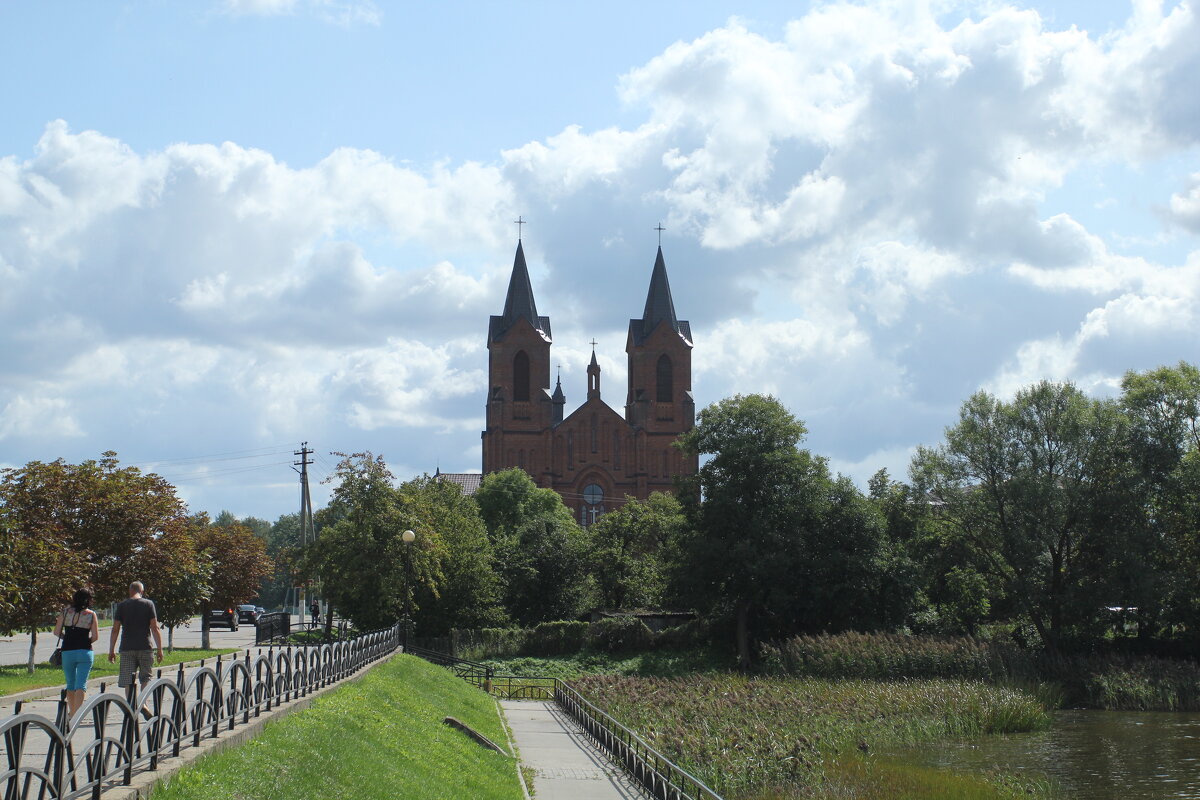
[{"x": 379, "y": 736}]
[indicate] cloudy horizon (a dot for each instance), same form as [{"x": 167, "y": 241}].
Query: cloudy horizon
[{"x": 871, "y": 211}]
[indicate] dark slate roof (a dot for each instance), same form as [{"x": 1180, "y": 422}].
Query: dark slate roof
[
  {"x": 558, "y": 395},
  {"x": 519, "y": 302},
  {"x": 660, "y": 307},
  {"x": 469, "y": 481}
]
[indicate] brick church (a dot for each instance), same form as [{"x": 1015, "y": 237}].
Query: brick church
[{"x": 593, "y": 457}]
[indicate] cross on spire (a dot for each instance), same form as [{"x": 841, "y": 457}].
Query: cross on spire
[
  {"x": 520, "y": 220},
  {"x": 660, "y": 229},
  {"x": 593, "y": 344}
]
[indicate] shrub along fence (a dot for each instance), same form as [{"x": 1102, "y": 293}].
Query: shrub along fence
[
  {"x": 114, "y": 734},
  {"x": 657, "y": 774},
  {"x": 617, "y": 634}
]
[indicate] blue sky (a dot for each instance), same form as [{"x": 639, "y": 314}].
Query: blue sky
[{"x": 227, "y": 227}]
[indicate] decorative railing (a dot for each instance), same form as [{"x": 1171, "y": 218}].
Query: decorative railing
[
  {"x": 112, "y": 736},
  {"x": 272, "y": 626},
  {"x": 657, "y": 774}
]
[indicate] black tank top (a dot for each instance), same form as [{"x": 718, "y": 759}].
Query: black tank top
[{"x": 76, "y": 638}]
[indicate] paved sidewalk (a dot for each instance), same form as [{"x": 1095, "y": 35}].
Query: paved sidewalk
[{"x": 567, "y": 764}]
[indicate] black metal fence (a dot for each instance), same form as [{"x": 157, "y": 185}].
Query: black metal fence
[
  {"x": 112, "y": 736},
  {"x": 272, "y": 626},
  {"x": 657, "y": 774}
]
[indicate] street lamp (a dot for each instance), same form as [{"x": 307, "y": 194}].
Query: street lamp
[{"x": 407, "y": 537}]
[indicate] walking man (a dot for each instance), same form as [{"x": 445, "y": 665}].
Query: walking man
[{"x": 135, "y": 621}]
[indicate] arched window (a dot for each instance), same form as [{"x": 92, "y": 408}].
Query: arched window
[
  {"x": 666, "y": 379},
  {"x": 521, "y": 377},
  {"x": 593, "y": 433},
  {"x": 616, "y": 450}
]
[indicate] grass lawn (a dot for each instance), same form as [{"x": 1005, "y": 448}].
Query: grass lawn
[
  {"x": 14, "y": 678},
  {"x": 378, "y": 737}
]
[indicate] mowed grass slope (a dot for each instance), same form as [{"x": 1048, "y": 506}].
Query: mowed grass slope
[{"x": 378, "y": 737}]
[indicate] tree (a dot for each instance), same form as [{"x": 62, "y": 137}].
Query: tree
[
  {"x": 105, "y": 513},
  {"x": 760, "y": 494},
  {"x": 1038, "y": 490},
  {"x": 629, "y": 547},
  {"x": 239, "y": 562},
  {"x": 358, "y": 554},
  {"x": 44, "y": 573},
  {"x": 179, "y": 576},
  {"x": 541, "y": 552},
  {"x": 463, "y": 591},
  {"x": 1163, "y": 406}
]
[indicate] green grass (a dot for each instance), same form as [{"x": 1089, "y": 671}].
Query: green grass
[
  {"x": 378, "y": 737},
  {"x": 772, "y": 737},
  {"x": 14, "y": 677}
]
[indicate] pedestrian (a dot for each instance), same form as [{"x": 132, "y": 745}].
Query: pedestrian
[
  {"x": 316, "y": 611},
  {"x": 135, "y": 621},
  {"x": 77, "y": 627}
]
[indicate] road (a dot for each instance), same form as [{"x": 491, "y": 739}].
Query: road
[{"x": 15, "y": 649}]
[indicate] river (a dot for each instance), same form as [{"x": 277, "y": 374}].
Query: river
[{"x": 1099, "y": 755}]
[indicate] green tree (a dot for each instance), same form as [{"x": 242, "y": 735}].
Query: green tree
[
  {"x": 464, "y": 590},
  {"x": 179, "y": 577},
  {"x": 541, "y": 552},
  {"x": 761, "y": 494},
  {"x": 239, "y": 562},
  {"x": 630, "y": 546},
  {"x": 1037, "y": 490},
  {"x": 1164, "y": 410}
]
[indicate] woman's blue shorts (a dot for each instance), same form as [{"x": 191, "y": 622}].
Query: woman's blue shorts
[{"x": 76, "y": 665}]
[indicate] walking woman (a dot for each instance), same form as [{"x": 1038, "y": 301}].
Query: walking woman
[{"x": 78, "y": 628}]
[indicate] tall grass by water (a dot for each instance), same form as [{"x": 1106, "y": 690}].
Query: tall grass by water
[
  {"x": 1110, "y": 681},
  {"x": 790, "y": 737},
  {"x": 380, "y": 736}
]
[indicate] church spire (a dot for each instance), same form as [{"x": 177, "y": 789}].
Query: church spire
[
  {"x": 659, "y": 305},
  {"x": 519, "y": 302}
]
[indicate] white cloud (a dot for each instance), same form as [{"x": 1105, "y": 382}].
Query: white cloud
[
  {"x": 863, "y": 217},
  {"x": 1185, "y": 206}
]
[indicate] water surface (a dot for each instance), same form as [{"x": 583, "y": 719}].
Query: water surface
[{"x": 1100, "y": 755}]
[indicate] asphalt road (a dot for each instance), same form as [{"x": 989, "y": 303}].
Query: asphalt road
[{"x": 15, "y": 649}]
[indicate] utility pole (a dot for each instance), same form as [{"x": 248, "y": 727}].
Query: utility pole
[{"x": 306, "y": 523}]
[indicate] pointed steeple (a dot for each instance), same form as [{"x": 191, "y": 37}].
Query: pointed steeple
[
  {"x": 659, "y": 305},
  {"x": 593, "y": 372},
  {"x": 559, "y": 399},
  {"x": 518, "y": 303}
]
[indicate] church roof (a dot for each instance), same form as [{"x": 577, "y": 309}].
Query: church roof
[
  {"x": 558, "y": 395},
  {"x": 519, "y": 303},
  {"x": 660, "y": 307},
  {"x": 469, "y": 481}
]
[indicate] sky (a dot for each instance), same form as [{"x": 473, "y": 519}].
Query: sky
[{"x": 231, "y": 226}]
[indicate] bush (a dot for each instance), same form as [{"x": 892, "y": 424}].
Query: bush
[
  {"x": 555, "y": 638},
  {"x": 619, "y": 635}
]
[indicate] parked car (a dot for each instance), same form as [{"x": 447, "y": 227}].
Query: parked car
[
  {"x": 248, "y": 613},
  {"x": 222, "y": 618}
]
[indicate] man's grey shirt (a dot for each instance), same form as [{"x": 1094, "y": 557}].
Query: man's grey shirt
[{"x": 134, "y": 615}]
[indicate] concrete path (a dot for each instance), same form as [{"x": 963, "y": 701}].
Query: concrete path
[{"x": 567, "y": 764}]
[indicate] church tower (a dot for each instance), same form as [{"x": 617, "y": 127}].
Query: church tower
[
  {"x": 519, "y": 405},
  {"x": 593, "y": 457},
  {"x": 659, "y": 346}
]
